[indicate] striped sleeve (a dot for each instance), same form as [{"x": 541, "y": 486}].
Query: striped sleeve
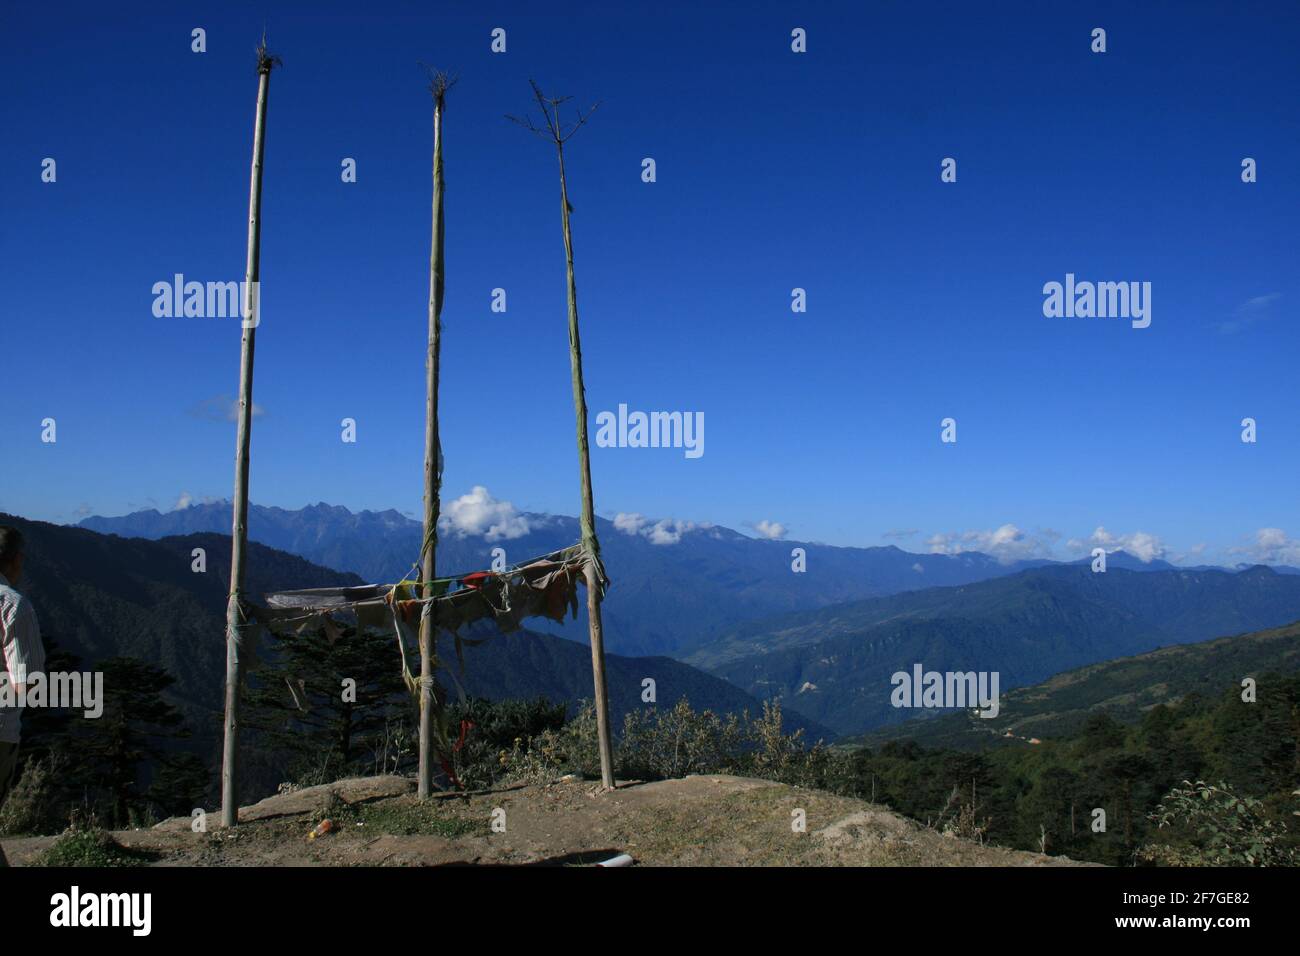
[{"x": 24, "y": 654}]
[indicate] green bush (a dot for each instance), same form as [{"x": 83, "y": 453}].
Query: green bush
[
  {"x": 496, "y": 730},
  {"x": 1209, "y": 825},
  {"x": 31, "y": 807},
  {"x": 673, "y": 743},
  {"x": 91, "y": 847}
]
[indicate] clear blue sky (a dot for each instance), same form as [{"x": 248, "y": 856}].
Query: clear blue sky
[{"x": 775, "y": 170}]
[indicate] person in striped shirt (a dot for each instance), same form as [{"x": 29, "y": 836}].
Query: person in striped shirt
[{"x": 23, "y": 654}]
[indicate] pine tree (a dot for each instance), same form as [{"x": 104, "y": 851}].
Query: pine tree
[
  {"x": 318, "y": 704},
  {"x": 113, "y": 753}
]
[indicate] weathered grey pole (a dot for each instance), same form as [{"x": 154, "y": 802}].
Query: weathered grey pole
[
  {"x": 235, "y": 621},
  {"x": 555, "y": 131},
  {"x": 589, "y": 541},
  {"x": 432, "y": 471}
]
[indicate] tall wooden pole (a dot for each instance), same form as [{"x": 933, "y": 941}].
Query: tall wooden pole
[
  {"x": 432, "y": 471},
  {"x": 555, "y": 131},
  {"x": 589, "y": 541},
  {"x": 235, "y": 622}
]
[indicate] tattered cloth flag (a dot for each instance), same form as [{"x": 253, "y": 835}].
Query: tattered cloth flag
[{"x": 540, "y": 587}]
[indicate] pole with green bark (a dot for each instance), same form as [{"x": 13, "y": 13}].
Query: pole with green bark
[
  {"x": 236, "y": 621},
  {"x": 558, "y": 133},
  {"x": 438, "y": 86}
]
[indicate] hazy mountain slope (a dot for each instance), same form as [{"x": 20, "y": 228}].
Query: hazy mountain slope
[
  {"x": 834, "y": 665},
  {"x": 1125, "y": 688},
  {"x": 100, "y": 596},
  {"x": 1207, "y": 602}
]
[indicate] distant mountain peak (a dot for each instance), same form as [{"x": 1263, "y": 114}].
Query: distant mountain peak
[{"x": 1258, "y": 570}]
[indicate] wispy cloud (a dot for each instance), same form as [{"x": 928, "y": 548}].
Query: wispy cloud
[
  {"x": 186, "y": 500},
  {"x": 1193, "y": 555},
  {"x": 1270, "y": 546},
  {"x": 221, "y": 408},
  {"x": 1249, "y": 313},
  {"x": 1009, "y": 543}
]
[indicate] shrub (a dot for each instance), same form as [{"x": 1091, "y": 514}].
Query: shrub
[
  {"x": 676, "y": 742},
  {"x": 1214, "y": 826},
  {"x": 31, "y": 806},
  {"x": 91, "y": 847},
  {"x": 662, "y": 744},
  {"x": 498, "y": 730}
]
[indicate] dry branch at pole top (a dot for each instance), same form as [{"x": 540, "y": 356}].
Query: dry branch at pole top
[
  {"x": 555, "y": 129},
  {"x": 440, "y": 81},
  {"x": 266, "y": 61}
]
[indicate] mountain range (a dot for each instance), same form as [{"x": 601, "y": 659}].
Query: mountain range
[
  {"x": 826, "y": 640},
  {"x": 675, "y": 587}
]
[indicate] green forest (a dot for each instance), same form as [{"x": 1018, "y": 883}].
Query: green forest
[{"x": 1043, "y": 796}]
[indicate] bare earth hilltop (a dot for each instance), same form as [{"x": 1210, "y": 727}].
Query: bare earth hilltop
[{"x": 694, "y": 821}]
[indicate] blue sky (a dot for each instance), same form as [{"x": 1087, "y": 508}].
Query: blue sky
[{"x": 775, "y": 170}]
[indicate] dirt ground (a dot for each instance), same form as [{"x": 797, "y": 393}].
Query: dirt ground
[{"x": 695, "y": 821}]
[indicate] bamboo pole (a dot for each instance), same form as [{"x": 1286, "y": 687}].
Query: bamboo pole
[
  {"x": 556, "y": 132},
  {"x": 589, "y": 541},
  {"x": 439, "y": 84},
  {"x": 235, "y": 622}
]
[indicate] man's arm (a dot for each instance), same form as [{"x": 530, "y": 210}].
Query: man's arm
[{"x": 24, "y": 655}]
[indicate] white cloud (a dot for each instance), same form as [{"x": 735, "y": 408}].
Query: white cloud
[
  {"x": 1271, "y": 546},
  {"x": 669, "y": 531},
  {"x": 1142, "y": 545},
  {"x": 629, "y": 523},
  {"x": 1007, "y": 543},
  {"x": 1249, "y": 312},
  {"x": 478, "y": 513},
  {"x": 772, "y": 530},
  {"x": 184, "y": 501},
  {"x": 663, "y": 531}
]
